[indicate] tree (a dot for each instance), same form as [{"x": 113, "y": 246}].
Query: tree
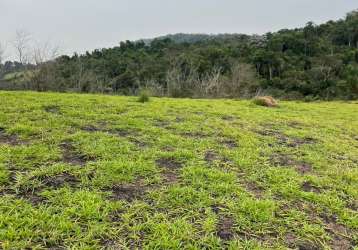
[
  {"x": 44, "y": 52},
  {"x": 2, "y": 53},
  {"x": 21, "y": 45}
]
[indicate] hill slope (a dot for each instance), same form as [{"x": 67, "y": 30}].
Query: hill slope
[{"x": 91, "y": 171}]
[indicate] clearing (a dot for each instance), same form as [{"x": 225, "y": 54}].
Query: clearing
[{"x": 91, "y": 171}]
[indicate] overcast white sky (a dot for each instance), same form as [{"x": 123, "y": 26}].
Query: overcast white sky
[{"x": 80, "y": 25}]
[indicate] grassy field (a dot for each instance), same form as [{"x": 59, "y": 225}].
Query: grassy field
[{"x": 92, "y": 171}]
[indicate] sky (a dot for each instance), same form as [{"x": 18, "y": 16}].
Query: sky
[{"x": 81, "y": 25}]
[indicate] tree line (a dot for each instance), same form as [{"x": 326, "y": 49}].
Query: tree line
[{"x": 313, "y": 62}]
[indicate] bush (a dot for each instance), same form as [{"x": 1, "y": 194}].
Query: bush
[
  {"x": 143, "y": 96},
  {"x": 266, "y": 101}
]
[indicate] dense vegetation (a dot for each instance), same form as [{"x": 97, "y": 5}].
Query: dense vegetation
[
  {"x": 109, "y": 172},
  {"x": 317, "y": 61}
]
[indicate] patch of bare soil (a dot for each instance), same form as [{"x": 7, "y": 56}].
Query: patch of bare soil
[
  {"x": 309, "y": 187},
  {"x": 140, "y": 144},
  {"x": 278, "y": 159},
  {"x": 60, "y": 180},
  {"x": 128, "y": 192},
  {"x": 8, "y": 139},
  {"x": 340, "y": 235},
  {"x": 54, "y": 109},
  {"x": 170, "y": 177},
  {"x": 29, "y": 195},
  {"x": 210, "y": 156},
  {"x": 285, "y": 140},
  {"x": 32, "y": 197},
  {"x": 168, "y": 149},
  {"x": 123, "y": 132},
  {"x": 228, "y": 118},
  {"x": 116, "y": 216},
  {"x": 179, "y": 119},
  {"x": 294, "y": 242},
  {"x": 162, "y": 123},
  {"x": 170, "y": 167},
  {"x": 229, "y": 143},
  {"x": 254, "y": 189},
  {"x": 303, "y": 168},
  {"x": 71, "y": 156},
  {"x": 109, "y": 244},
  {"x": 91, "y": 128},
  {"x": 169, "y": 163},
  {"x": 197, "y": 135},
  {"x": 224, "y": 227}
]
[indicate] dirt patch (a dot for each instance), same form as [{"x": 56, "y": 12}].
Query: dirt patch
[
  {"x": 353, "y": 204},
  {"x": 309, "y": 187},
  {"x": 91, "y": 128},
  {"x": 285, "y": 140},
  {"x": 294, "y": 243},
  {"x": 210, "y": 156},
  {"x": 224, "y": 226},
  {"x": 302, "y": 141},
  {"x": 162, "y": 123},
  {"x": 9, "y": 139},
  {"x": 60, "y": 180},
  {"x": 278, "y": 159},
  {"x": 170, "y": 167},
  {"x": 254, "y": 189},
  {"x": 29, "y": 195},
  {"x": 123, "y": 132},
  {"x": 109, "y": 244},
  {"x": 54, "y": 109},
  {"x": 140, "y": 144},
  {"x": 71, "y": 156},
  {"x": 33, "y": 198},
  {"x": 168, "y": 149},
  {"x": 179, "y": 119},
  {"x": 228, "y": 118},
  {"x": 128, "y": 192},
  {"x": 229, "y": 143},
  {"x": 170, "y": 177},
  {"x": 197, "y": 135},
  {"x": 116, "y": 216},
  {"x": 340, "y": 235},
  {"x": 303, "y": 168},
  {"x": 169, "y": 163}
]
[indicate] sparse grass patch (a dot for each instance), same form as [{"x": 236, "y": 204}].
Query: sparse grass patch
[{"x": 97, "y": 172}]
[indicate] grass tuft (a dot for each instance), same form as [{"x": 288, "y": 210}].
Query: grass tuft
[{"x": 266, "y": 101}]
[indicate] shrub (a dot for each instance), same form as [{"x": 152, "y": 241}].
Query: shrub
[
  {"x": 266, "y": 101},
  {"x": 143, "y": 96}
]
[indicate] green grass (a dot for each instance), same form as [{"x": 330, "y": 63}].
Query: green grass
[{"x": 93, "y": 171}]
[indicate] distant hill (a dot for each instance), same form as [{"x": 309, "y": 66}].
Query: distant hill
[{"x": 194, "y": 38}]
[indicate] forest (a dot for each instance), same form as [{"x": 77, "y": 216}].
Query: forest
[{"x": 313, "y": 62}]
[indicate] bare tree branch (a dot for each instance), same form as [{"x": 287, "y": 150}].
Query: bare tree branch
[
  {"x": 21, "y": 45},
  {"x": 2, "y": 53},
  {"x": 45, "y": 52}
]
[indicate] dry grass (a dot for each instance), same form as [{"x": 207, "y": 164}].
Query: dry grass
[{"x": 266, "y": 101}]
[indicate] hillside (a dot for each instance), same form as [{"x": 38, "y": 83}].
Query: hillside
[
  {"x": 310, "y": 62},
  {"x": 81, "y": 171}
]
